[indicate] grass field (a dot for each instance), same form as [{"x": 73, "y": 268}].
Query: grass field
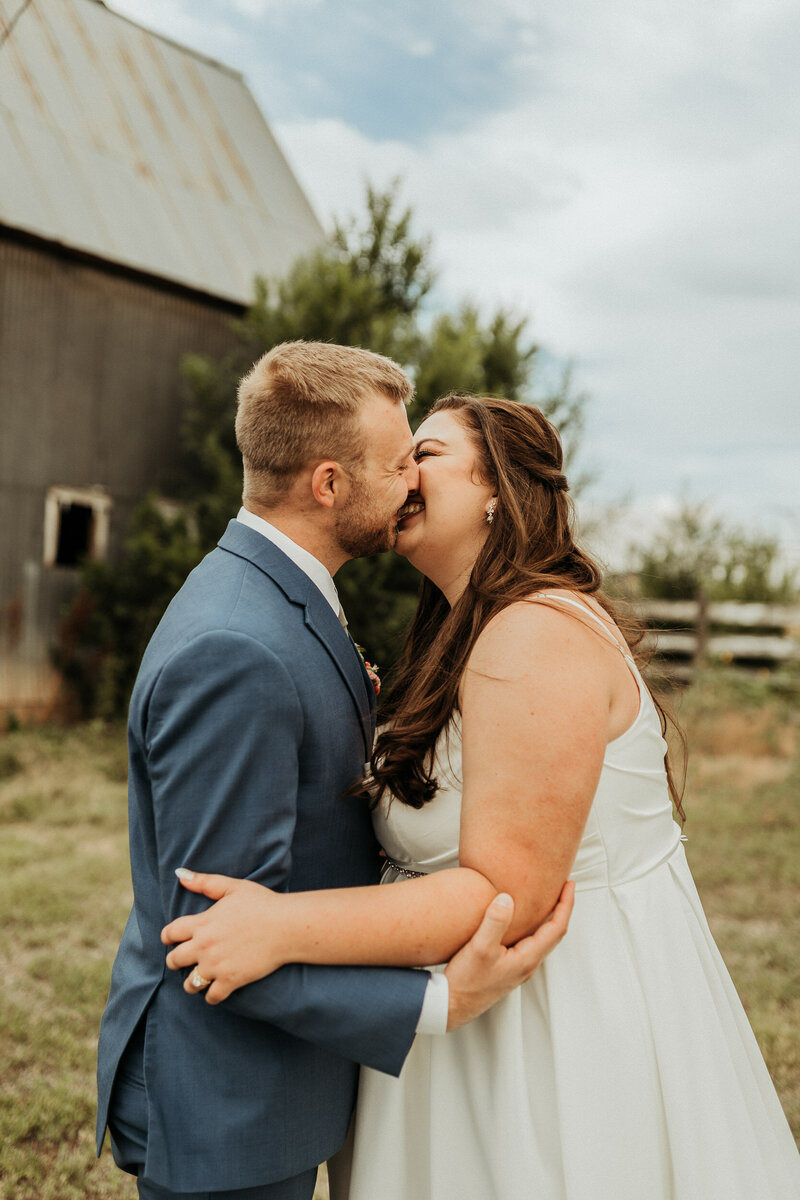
[{"x": 65, "y": 892}]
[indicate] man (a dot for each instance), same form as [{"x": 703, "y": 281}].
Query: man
[{"x": 251, "y": 717}]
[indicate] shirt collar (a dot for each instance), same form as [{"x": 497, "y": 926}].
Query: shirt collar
[{"x": 313, "y": 568}]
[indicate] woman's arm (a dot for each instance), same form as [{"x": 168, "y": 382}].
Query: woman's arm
[
  {"x": 251, "y": 930},
  {"x": 535, "y": 710},
  {"x": 536, "y": 705}
]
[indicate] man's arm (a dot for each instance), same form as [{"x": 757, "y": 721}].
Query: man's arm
[
  {"x": 484, "y": 970},
  {"x": 223, "y": 729}
]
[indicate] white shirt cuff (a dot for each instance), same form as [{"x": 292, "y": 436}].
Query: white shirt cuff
[{"x": 435, "y": 1006}]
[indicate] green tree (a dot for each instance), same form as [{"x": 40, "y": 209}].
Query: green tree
[
  {"x": 696, "y": 553},
  {"x": 750, "y": 568},
  {"x": 366, "y": 285}
]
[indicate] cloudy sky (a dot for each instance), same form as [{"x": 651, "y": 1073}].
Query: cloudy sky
[{"x": 626, "y": 174}]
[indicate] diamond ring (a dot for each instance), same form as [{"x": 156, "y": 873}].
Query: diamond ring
[{"x": 198, "y": 981}]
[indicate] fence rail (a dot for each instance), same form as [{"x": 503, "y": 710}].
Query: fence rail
[{"x": 685, "y": 633}]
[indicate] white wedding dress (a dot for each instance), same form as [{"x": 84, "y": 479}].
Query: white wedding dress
[{"x": 625, "y": 1069}]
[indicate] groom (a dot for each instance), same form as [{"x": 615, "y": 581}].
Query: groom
[{"x": 251, "y": 717}]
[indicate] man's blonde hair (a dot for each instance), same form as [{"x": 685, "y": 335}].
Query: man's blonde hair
[{"x": 300, "y": 403}]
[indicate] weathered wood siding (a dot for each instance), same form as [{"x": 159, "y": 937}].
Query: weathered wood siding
[{"x": 90, "y": 396}]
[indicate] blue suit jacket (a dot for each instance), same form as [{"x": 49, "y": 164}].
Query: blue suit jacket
[{"x": 251, "y": 715}]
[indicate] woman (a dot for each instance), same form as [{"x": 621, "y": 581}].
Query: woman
[{"x": 522, "y": 747}]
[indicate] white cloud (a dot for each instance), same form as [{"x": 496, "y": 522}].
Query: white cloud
[{"x": 638, "y": 199}]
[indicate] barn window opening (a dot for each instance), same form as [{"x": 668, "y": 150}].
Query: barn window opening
[
  {"x": 74, "y": 534},
  {"x": 75, "y": 525}
]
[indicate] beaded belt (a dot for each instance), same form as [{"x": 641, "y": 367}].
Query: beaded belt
[{"x": 404, "y": 871}]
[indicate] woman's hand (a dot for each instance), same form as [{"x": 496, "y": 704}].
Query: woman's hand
[{"x": 234, "y": 942}]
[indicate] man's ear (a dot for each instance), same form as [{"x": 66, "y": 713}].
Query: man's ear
[{"x": 328, "y": 481}]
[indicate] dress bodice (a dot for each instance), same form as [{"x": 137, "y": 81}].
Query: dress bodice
[{"x": 629, "y": 831}]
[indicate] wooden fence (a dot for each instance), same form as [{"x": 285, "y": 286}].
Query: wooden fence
[{"x": 687, "y": 633}]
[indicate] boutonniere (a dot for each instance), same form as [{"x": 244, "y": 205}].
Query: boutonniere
[{"x": 372, "y": 670}]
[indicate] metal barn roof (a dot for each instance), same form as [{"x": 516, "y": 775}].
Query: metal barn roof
[{"x": 120, "y": 143}]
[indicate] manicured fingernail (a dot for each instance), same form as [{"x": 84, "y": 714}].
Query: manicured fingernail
[
  {"x": 183, "y": 873},
  {"x": 503, "y": 900}
]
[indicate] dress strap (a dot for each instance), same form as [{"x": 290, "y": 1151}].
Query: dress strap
[{"x": 623, "y": 649}]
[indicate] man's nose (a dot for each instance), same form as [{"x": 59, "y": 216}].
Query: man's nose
[{"x": 412, "y": 475}]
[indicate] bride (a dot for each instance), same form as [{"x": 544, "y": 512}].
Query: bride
[{"x": 521, "y": 747}]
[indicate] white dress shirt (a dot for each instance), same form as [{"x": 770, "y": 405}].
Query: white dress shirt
[{"x": 433, "y": 1015}]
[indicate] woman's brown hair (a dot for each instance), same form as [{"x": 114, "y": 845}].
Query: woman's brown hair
[{"x": 529, "y": 548}]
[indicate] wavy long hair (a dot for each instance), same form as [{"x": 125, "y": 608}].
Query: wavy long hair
[{"x": 529, "y": 548}]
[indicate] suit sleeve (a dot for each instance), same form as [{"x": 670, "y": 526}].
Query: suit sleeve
[{"x": 224, "y": 727}]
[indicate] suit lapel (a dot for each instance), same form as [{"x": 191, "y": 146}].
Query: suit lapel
[
  {"x": 320, "y": 618},
  {"x": 325, "y": 625}
]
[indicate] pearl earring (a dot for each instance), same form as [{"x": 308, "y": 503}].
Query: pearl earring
[{"x": 490, "y": 510}]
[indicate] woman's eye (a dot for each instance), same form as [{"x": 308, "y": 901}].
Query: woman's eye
[{"x": 418, "y": 454}]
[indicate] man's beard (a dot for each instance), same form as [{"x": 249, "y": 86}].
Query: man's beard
[{"x": 358, "y": 530}]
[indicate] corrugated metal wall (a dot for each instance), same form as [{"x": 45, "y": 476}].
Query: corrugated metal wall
[{"x": 90, "y": 395}]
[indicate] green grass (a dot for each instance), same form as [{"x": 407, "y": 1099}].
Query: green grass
[
  {"x": 65, "y": 893},
  {"x": 744, "y": 850}
]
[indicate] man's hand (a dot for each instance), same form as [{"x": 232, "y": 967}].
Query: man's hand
[{"x": 485, "y": 970}]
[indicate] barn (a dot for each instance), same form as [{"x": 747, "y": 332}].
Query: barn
[{"x": 141, "y": 190}]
